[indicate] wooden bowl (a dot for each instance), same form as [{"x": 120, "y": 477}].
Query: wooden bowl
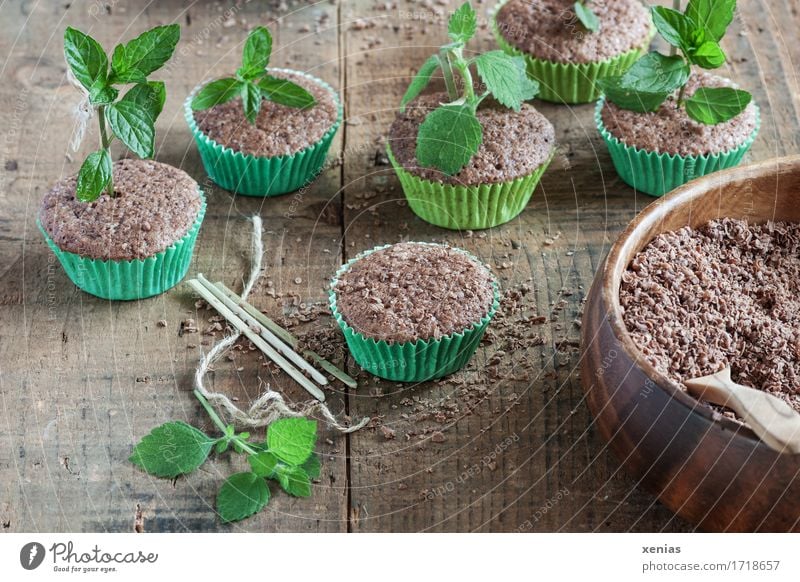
[{"x": 715, "y": 473}]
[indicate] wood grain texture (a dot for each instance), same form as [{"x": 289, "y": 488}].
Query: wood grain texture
[{"x": 499, "y": 447}]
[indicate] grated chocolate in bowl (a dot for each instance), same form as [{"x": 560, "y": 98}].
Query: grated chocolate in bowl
[{"x": 724, "y": 294}]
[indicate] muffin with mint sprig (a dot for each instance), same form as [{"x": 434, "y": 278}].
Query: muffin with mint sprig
[
  {"x": 123, "y": 230},
  {"x": 568, "y": 45},
  {"x": 264, "y": 131},
  {"x": 470, "y": 158},
  {"x": 666, "y": 122}
]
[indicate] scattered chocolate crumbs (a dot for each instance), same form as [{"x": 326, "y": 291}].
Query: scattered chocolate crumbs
[
  {"x": 670, "y": 130},
  {"x": 549, "y": 30},
  {"x": 725, "y": 294},
  {"x": 279, "y": 130},
  {"x": 154, "y": 205},
  {"x": 412, "y": 291},
  {"x": 514, "y": 143}
]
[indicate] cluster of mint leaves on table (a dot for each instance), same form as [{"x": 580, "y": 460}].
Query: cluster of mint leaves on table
[
  {"x": 451, "y": 134},
  {"x": 696, "y": 34},
  {"x": 253, "y": 83},
  {"x": 286, "y": 456},
  {"x": 131, "y": 119}
]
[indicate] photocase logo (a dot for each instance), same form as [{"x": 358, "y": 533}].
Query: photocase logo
[{"x": 31, "y": 555}]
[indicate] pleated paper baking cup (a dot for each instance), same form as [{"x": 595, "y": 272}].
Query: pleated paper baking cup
[
  {"x": 412, "y": 361},
  {"x": 135, "y": 279},
  {"x": 657, "y": 173},
  {"x": 569, "y": 82},
  {"x": 262, "y": 176},
  {"x": 460, "y": 207}
]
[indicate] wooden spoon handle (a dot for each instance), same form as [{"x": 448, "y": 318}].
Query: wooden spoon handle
[{"x": 775, "y": 422}]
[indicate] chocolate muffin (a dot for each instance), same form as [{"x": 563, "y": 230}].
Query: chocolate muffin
[
  {"x": 279, "y": 130},
  {"x": 515, "y": 144},
  {"x": 414, "y": 291},
  {"x": 154, "y": 205},
  {"x": 670, "y": 130}
]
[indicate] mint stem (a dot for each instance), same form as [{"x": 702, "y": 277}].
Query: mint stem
[
  {"x": 449, "y": 78},
  {"x": 104, "y": 143},
  {"x": 680, "y": 96},
  {"x": 221, "y": 425}
]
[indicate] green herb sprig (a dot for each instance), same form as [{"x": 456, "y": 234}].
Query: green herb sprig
[
  {"x": 451, "y": 134},
  {"x": 132, "y": 118},
  {"x": 286, "y": 456},
  {"x": 252, "y": 82},
  {"x": 586, "y": 16},
  {"x": 696, "y": 34}
]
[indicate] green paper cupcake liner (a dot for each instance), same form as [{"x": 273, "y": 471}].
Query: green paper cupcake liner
[
  {"x": 459, "y": 207},
  {"x": 412, "y": 361},
  {"x": 657, "y": 173},
  {"x": 569, "y": 83},
  {"x": 135, "y": 279},
  {"x": 259, "y": 176}
]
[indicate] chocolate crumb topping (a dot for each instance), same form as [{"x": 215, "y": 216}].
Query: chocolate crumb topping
[
  {"x": 724, "y": 294},
  {"x": 412, "y": 291},
  {"x": 670, "y": 130},
  {"x": 279, "y": 130},
  {"x": 154, "y": 206},
  {"x": 514, "y": 144},
  {"x": 548, "y": 29}
]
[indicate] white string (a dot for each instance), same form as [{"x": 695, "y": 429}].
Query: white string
[
  {"x": 270, "y": 406},
  {"x": 82, "y": 113}
]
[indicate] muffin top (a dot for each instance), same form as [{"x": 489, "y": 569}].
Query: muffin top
[
  {"x": 414, "y": 291},
  {"x": 550, "y": 31},
  {"x": 670, "y": 130},
  {"x": 514, "y": 144},
  {"x": 154, "y": 206},
  {"x": 279, "y": 130}
]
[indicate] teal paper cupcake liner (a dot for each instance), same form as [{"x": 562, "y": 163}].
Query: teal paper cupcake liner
[
  {"x": 259, "y": 176},
  {"x": 656, "y": 173},
  {"x": 569, "y": 83},
  {"x": 135, "y": 279},
  {"x": 460, "y": 207},
  {"x": 412, "y": 361}
]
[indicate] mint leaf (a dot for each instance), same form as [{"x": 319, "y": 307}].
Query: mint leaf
[
  {"x": 86, "y": 58},
  {"x": 448, "y": 138},
  {"x": 150, "y": 96},
  {"x": 93, "y": 176},
  {"x": 285, "y": 93},
  {"x": 463, "y": 23},
  {"x": 313, "y": 466},
  {"x": 713, "y": 16},
  {"x": 506, "y": 78},
  {"x": 101, "y": 94},
  {"x": 292, "y": 440},
  {"x": 146, "y": 53},
  {"x": 295, "y": 481},
  {"x": 647, "y": 83},
  {"x": 708, "y": 55},
  {"x": 717, "y": 104},
  {"x": 587, "y": 17},
  {"x": 132, "y": 124},
  {"x": 420, "y": 81},
  {"x": 242, "y": 495},
  {"x": 674, "y": 27},
  {"x": 251, "y": 101},
  {"x": 256, "y": 53},
  {"x": 171, "y": 449},
  {"x": 264, "y": 464},
  {"x": 217, "y": 92}
]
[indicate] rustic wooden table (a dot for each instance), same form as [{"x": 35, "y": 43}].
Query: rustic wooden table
[{"x": 506, "y": 445}]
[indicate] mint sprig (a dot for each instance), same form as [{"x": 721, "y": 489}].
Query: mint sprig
[
  {"x": 252, "y": 83},
  {"x": 451, "y": 134},
  {"x": 286, "y": 456},
  {"x": 586, "y": 16},
  {"x": 130, "y": 119},
  {"x": 696, "y": 34}
]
